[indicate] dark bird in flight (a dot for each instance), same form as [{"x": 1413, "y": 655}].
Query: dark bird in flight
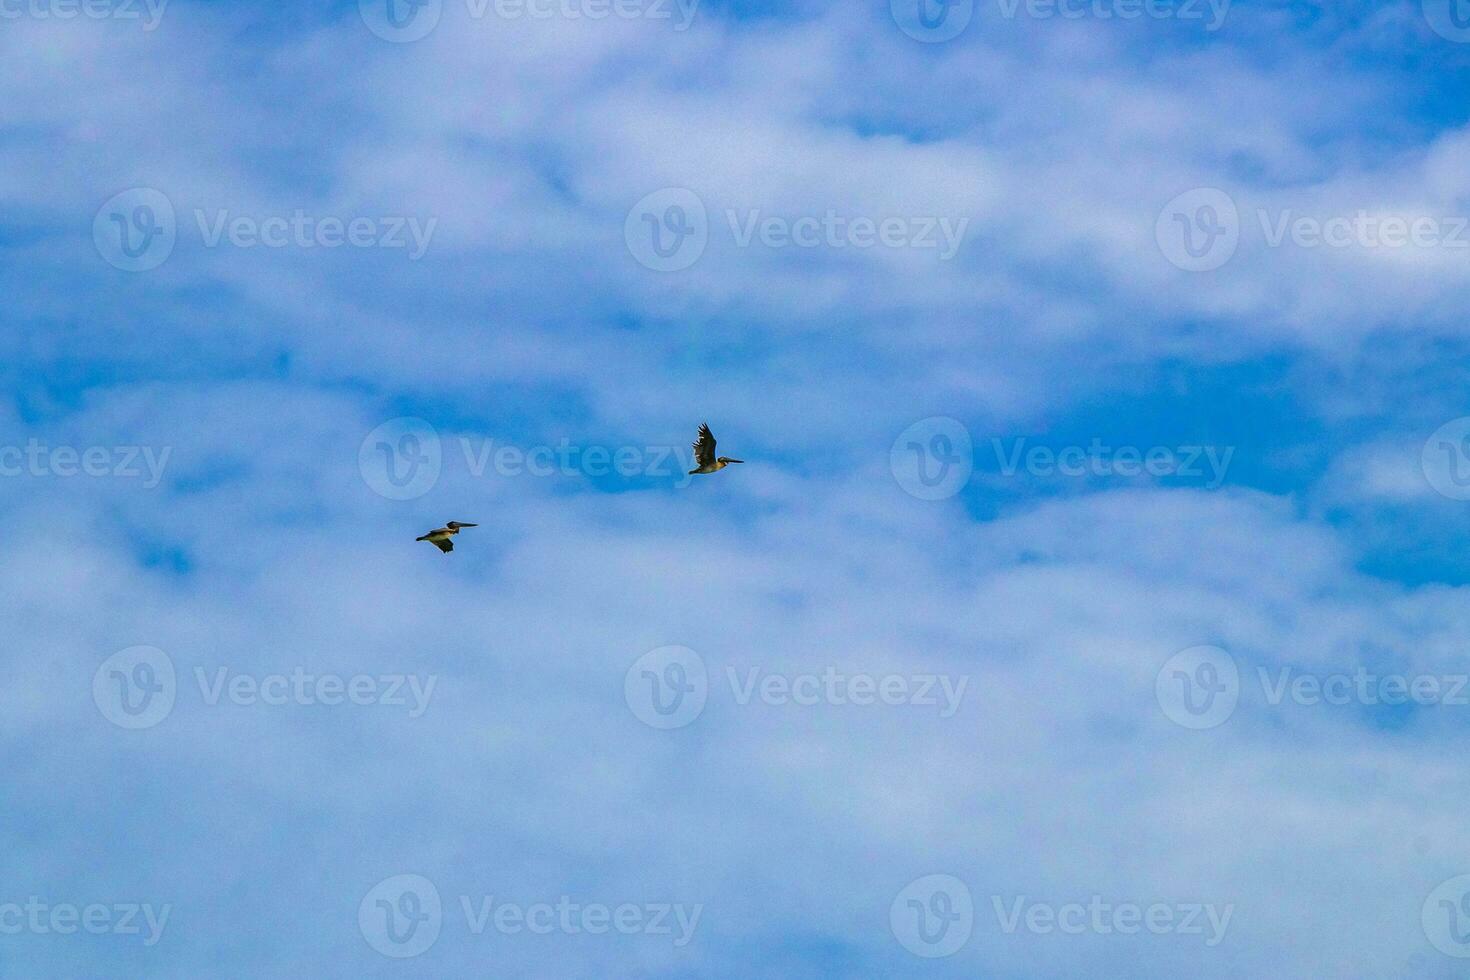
[
  {"x": 704, "y": 453},
  {"x": 439, "y": 537}
]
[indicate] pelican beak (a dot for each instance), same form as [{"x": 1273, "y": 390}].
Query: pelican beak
[{"x": 734, "y": 460}]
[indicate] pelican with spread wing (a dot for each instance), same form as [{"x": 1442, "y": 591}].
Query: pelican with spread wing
[
  {"x": 440, "y": 537},
  {"x": 704, "y": 453}
]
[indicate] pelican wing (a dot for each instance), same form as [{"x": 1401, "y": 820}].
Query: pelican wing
[
  {"x": 704, "y": 446},
  {"x": 439, "y": 538}
]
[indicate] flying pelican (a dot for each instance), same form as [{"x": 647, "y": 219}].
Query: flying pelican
[
  {"x": 439, "y": 537},
  {"x": 704, "y": 453}
]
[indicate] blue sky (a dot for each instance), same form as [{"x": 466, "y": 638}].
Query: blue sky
[{"x": 1100, "y": 374}]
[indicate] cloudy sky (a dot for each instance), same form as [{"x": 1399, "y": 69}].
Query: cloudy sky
[{"x": 1092, "y": 600}]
